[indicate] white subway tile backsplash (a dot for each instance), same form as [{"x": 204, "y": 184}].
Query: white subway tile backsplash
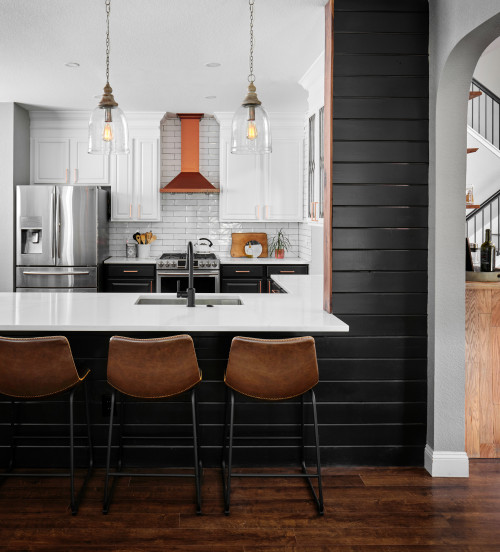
[{"x": 191, "y": 216}]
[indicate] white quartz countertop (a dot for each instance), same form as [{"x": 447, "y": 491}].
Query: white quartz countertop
[
  {"x": 130, "y": 260},
  {"x": 300, "y": 310},
  {"x": 263, "y": 260}
]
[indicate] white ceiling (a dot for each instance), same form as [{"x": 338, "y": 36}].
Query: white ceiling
[{"x": 158, "y": 52}]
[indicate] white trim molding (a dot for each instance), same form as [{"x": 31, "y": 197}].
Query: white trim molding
[{"x": 440, "y": 463}]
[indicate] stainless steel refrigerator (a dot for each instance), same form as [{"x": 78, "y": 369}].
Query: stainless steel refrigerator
[{"x": 62, "y": 238}]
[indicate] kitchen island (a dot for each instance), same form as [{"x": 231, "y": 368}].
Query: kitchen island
[{"x": 89, "y": 320}]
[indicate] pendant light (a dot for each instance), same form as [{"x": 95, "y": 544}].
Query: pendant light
[
  {"x": 251, "y": 131},
  {"x": 108, "y": 132}
]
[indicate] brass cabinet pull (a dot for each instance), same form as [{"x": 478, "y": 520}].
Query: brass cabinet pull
[
  {"x": 130, "y": 271},
  {"x": 287, "y": 271},
  {"x": 130, "y": 210},
  {"x": 260, "y": 286},
  {"x": 269, "y": 286},
  {"x": 241, "y": 271}
]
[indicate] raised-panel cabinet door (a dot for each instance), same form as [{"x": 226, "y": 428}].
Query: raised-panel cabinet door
[
  {"x": 87, "y": 169},
  {"x": 51, "y": 161},
  {"x": 146, "y": 181},
  {"x": 241, "y": 195},
  {"x": 284, "y": 175},
  {"x": 122, "y": 186}
]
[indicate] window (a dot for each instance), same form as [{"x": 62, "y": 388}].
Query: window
[
  {"x": 312, "y": 140},
  {"x": 316, "y": 178}
]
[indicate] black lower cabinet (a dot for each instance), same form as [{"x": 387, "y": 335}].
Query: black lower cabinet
[
  {"x": 131, "y": 278},
  {"x": 243, "y": 285},
  {"x": 256, "y": 278}
]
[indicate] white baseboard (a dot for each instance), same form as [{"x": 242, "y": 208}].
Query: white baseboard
[{"x": 446, "y": 463}]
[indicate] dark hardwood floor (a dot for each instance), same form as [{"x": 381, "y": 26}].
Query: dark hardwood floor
[{"x": 377, "y": 509}]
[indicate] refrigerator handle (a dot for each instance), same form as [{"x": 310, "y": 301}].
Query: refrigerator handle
[
  {"x": 53, "y": 231},
  {"x": 57, "y": 229}
]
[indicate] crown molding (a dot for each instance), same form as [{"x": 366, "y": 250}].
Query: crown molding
[
  {"x": 313, "y": 82},
  {"x": 56, "y": 119}
]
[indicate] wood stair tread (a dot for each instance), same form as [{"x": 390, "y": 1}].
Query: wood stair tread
[
  {"x": 475, "y": 94},
  {"x": 472, "y": 150}
]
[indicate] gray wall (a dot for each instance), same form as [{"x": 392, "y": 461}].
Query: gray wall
[
  {"x": 14, "y": 169},
  {"x": 459, "y": 32}
]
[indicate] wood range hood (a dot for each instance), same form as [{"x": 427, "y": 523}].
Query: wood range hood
[{"x": 190, "y": 180}]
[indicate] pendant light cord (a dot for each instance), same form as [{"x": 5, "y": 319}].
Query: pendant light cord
[
  {"x": 251, "y": 76},
  {"x": 108, "y": 9}
]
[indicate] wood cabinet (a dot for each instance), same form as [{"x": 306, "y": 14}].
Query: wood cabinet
[
  {"x": 61, "y": 157},
  {"x": 262, "y": 188},
  {"x": 482, "y": 370},
  {"x": 132, "y": 278},
  {"x": 246, "y": 278}
]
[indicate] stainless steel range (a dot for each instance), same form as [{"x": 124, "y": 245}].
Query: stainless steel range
[{"x": 172, "y": 273}]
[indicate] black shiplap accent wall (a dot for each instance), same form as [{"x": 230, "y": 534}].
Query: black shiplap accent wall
[{"x": 380, "y": 218}]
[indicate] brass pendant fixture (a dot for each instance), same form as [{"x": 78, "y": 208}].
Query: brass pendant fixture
[
  {"x": 251, "y": 130},
  {"x": 108, "y": 131}
]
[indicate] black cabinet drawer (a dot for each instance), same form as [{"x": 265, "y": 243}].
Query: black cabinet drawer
[
  {"x": 287, "y": 269},
  {"x": 243, "y": 286},
  {"x": 273, "y": 287},
  {"x": 242, "y": 271},
  {"x": 131, "y": 271},
  {"x": 130, "y": 286}
]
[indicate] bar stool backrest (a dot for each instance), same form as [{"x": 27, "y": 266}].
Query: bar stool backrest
[
  {"x": 152, "y": 368},
  {"x": 36, "y": 367},
  {"x": 272, "y": 369}
]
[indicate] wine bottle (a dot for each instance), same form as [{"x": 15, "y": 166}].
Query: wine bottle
[{"x": 488, "y": 253}]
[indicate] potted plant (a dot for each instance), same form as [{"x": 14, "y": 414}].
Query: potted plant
[{"x": 279, "y": 244}]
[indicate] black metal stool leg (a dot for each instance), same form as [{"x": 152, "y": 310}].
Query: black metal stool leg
[
  {"x": 74, "y": 506},
  {"x": 302, "y": 434},
  {"x": 121, "y": 416},
  {"x": 196, "y": 451},
  {"x": 318, "y": 460},
  {"x": 89, "y": 426},
  {"x": 227, "y": 494},
  {"x": 107, "y": 492}
]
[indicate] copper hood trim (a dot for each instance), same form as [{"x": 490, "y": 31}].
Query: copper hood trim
[{"x": 190, "y": 180}]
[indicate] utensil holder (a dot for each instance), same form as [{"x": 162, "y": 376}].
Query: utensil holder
[{"x": 143, "y": 250}]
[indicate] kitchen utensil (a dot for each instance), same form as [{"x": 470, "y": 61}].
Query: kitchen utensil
[
  {"x": 137, "y": 238},
  {"x": 239, "y": 240},
  {"x": 253, "y": 248},
  {"x": 153, "y": 238},
  {"x": 143, "y": 239},
  {"x": 149, "y": 235}
]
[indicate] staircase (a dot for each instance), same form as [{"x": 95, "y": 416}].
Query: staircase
[{"x": 483, "y": 133}]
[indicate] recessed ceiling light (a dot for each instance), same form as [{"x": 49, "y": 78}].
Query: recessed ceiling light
[
  {"x": 212, "y": 64},
  {"x": 72, "y": 64},
  {"x": 210, "y": 97}
]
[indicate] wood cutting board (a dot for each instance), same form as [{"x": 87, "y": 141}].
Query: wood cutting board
[{"x": 240, "y": 239}]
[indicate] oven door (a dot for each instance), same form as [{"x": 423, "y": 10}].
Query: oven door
[{"x": 171, "y": 281}]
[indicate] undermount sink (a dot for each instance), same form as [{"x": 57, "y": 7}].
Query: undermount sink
[{"x": 202, "y": 301}]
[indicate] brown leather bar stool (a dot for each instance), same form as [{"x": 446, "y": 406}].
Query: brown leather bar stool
[
  {"x": 38, "y": 368},
  {"x": 271, "y": 370},
  {"x": 152, "y": 369}
]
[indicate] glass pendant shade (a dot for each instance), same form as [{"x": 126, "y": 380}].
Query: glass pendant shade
[
  {"x": 251, "y": 131},
  {"x": 108, "y": 131}
]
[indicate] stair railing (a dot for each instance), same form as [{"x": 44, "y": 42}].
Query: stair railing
[
  {"x": 484, "y": 113},
  {"x": 486, "y": 216}
]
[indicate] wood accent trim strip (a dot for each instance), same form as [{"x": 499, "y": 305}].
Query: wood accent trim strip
[{"x": 328, "y": 149}]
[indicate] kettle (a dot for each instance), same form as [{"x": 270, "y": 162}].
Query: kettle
[{"x": 203, "y": 245}]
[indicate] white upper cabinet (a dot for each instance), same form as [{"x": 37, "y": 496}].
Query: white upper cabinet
[
  {"x": 262, "y": 188},
  {"x": 59, "y": 142},
  {"x": 59, "y": 155},
  {"x": 50, "y": 160},
  {"x": 135, "y": 187}
]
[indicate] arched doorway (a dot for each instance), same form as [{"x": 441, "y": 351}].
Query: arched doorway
[{"x": 445, "y": 454}]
